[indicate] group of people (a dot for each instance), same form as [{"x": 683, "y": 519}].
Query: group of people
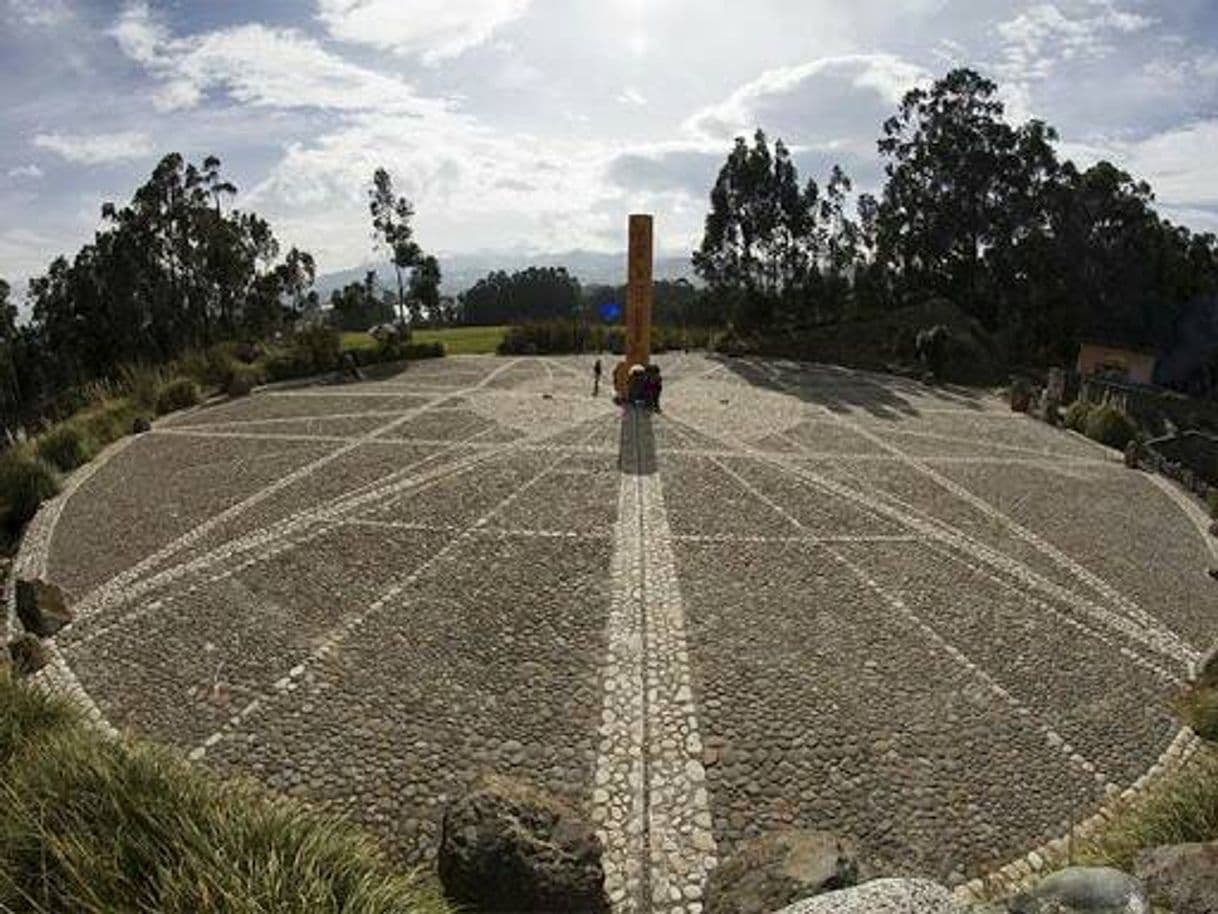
[{"x": 642, "y": 384}]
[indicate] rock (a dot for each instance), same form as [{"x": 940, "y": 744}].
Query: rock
[
  {"x": 42, "y": 608},
  {"x": 1133, "y": 454},
  {"x": 1214, "y": 528},
  {"x": 240, "y": 384},
  {"x": 140, "y": 425},
  {"x": 1084, "y": 890},
  {"x": 1205, "y": 673},
  {"x": 779, "y": 868},
  {"x": 509, "y": 847},
  {"x": 882, "y": 896},
  {"x": 1184, "y": 877},
  {"x": 1213, "y": 573},
  {"x": 28, "y": 655}
]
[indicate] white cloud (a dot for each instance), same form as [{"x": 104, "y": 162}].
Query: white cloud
[
  {"x": 41, "y": 13},
  {"x": 1179, "y": 163},
  {"x": 1042, "y": 36},
  {"x": 631, "y": 96},
  {"x": 434, "y": 29},
  {"x": 25, "y": 171},
  {"x": 826, "y": 99},
  {"x": 260, "y": 67},
  {"x": 95, "y": 148}
]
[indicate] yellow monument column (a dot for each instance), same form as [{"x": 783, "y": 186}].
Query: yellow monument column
[{"x": 638, "y": 291}]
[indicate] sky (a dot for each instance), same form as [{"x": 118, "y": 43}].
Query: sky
[{"x": 538, "y": 125}]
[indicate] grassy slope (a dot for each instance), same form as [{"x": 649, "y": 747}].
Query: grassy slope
[
  {"x": 90, "y": 825},
  {"x": 456, "y": 340}
]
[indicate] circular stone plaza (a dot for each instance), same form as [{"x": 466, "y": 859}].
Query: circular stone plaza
[{"x": 802, "y": 596}]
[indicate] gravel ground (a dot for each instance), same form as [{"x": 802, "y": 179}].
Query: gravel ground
[{"x": 903, "y": 614}]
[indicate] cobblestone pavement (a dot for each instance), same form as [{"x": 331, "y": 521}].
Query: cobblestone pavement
[{"x": 801, "y": 596}]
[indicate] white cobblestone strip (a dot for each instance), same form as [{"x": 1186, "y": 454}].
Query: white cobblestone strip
[
  {"x": 291, "y": 679},
  {"x": 650, "y": 799},
  {"x": 1152, "y": 635},
  {"x": 1128, "y": 607},
  {"x": 759, "y": 539},
  {"x": 1042, "y": 453},
  {"x": 492, "y": 532},
  {"x": 1052, "y": 737},
  {"x": 116, "y": 586}
]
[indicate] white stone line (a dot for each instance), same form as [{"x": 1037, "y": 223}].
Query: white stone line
[
  {"x": 811, "y": 539},
  {"x": 282, "y": 536},
  {"x": 112, "y": 590},
  {"x": 1134, "y": 612},
  {"x": 225, "y": 424},
  {"x": 650, "y": 800},
  {"x": 1052, "y": 737},
  {"x": 1044, "y": 454},
  {"x": 494, "y": 532},
  {"x": 354, "y": 621},
  {"x": 933, "y": 529},
  {"x": 203, "y": 432}
]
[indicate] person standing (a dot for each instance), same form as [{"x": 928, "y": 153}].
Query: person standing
[{"x": 596, "y": 378}]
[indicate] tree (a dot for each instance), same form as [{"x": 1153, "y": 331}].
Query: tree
[
  {"x": 392, "y": 231},
  {"x": 358, "y": 307},
  {"x": 425, "y": 289},
  {"x": 537, "y": 293},
  {"x": 296, "y": 275}
]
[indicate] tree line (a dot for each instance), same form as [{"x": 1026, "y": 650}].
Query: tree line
[{"x": 973, "y": 210}]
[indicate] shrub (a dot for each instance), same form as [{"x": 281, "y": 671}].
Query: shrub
[
  {"x": 434, "y": 350},
  {"x": 1076, "y": 415},
  {"x": 109, "y": 421},
  {"x": 141, "y": 382},
  {"x": 94, "y": 825},
  {"x": 1211, "y": 500},
  {"x": 241, "y": 380},
  {"x": 1108, "y": 425},
  {"x": 1198, "y": 707},
  {"x": 65, "y": 446},
  {"x": 318, "y": 346},
  {"x": 1179, "y": 809},
  {"x": 177, "y": 394},
  {"x": 26, "y": 482}
]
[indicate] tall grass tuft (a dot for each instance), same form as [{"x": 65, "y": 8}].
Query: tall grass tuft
[
  {"x": 65, "y": 446},
  {"x": 26, "y": 481},
  {"x": 1178, "y": 810},
  {"x": 91, "y": 825},
  {"x": 177, "y": 394}
]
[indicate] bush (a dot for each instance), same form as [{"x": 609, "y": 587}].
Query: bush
[
  {"x": 242, "y": 379},
  {"x": 107, "y": 421},
  {"x": 65, "y": 446},
  {"x": 141, "y": 382},
  {"x": 94, "y": 825},
  {"x": 1180, "y": 809},
  {"x": 1211, "y": 501},
  {"x": 25, "y": 483},
  {"x": 318, "y": 346},
  {"x": 433, "y": 350},
  {"x": 1076, "y": 415},
  {"x": 177, "y": 394},
  {"x": 1108, "y": 425}
]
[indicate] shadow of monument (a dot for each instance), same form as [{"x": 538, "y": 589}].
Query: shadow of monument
[
  {"x": 636, "y": 454},
  {"x": 842, "y": 391}
]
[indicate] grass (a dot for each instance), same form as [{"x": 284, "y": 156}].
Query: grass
[
  {"x": 177, "y": 394},
  {"x": 1180, "y": 809},
  {"x": 93, "y": 825},
  {"x": 456, "y": 340}
]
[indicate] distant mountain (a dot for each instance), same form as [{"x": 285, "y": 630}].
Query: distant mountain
[{"x": 460, "y": 271}]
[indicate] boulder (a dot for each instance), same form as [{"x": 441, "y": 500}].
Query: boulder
[
  {"x": 1183, "y": 877},
  {"x": 882, "y": 896},
  {"x": 1133, "y": 455},
  {"x": 509, "y": 847},
  {"x": 42, "y": 607},
  {"x": 28, "y": 655},
  {"x": 140, "y": 425},
  {"x": 1084, "y": 890},
  {"x": 1021, "y": 398},
  {"x": 781, "y": 867}
]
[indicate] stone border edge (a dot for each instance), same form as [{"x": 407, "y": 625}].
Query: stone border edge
[
  {"x": 1025, "y": 870},
  {"x": 57, "y": 677}
]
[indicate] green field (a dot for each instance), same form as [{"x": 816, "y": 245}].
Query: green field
[{"x": 456, "y": 340}]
